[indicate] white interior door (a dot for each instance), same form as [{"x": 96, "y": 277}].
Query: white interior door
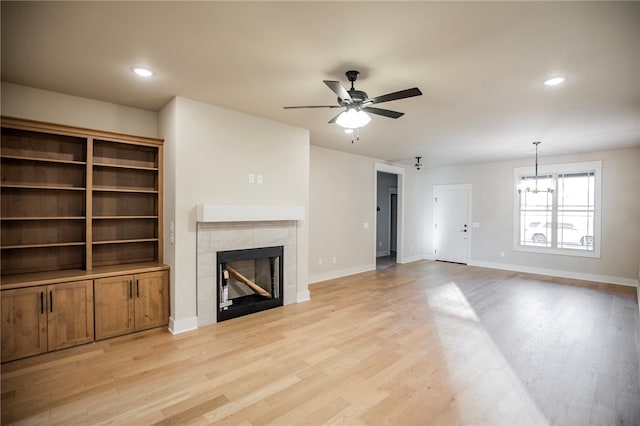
[{"x": 451, "y": 222}]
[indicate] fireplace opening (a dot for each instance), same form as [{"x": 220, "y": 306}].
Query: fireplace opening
[{"x": 249, "y": 281}]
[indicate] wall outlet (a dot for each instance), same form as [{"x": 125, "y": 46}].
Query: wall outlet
[
  {"x": 259, "y": 178},
  {"x": 320, "y": 261},
  {"x": 251, "y": 178},
  {"x": 334, "y": 260},
  {"x": 501, "y": 254},
  {"x": 365, "y": 225}
]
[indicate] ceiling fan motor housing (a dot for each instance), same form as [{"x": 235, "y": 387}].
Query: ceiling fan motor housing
[{"x": 357, "y": 97}]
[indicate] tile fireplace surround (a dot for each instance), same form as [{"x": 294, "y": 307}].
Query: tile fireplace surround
[{"x": 224, "y": 227}]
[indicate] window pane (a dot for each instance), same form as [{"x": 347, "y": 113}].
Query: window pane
[
  {"x": 536, "y": 212},
  {"x": 576, "y": 210}
]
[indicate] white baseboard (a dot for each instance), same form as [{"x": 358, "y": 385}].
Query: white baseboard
[
  {"x": 303, "y": 296},
  {"x": 409, "y": 259},
  {"x": 557, "y": 273},
  {"x": 340, "y": 273},
  {"x": 183, "y": 325}
]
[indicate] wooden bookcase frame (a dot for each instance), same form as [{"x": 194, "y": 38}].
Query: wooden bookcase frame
[{"x": 55, "y": 177}]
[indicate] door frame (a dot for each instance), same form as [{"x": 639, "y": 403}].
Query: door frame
[
  {"x": 399, "y": 172},
  {"x": 392, "y": 192},
  {"x": 455, "y": 187}
]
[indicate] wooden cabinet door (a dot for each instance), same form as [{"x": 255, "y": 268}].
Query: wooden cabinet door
[
  {"x": 152, "y": 299},
  {"x": 70, "y": 314},
  {"x": 114, "y": 304},
  {"x": 24, "y": 322}
]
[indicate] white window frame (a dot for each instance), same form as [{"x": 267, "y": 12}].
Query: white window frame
[{"x": 554, "y": 170}]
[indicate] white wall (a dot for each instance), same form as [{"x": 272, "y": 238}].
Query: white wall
[
  {"x": 43, "y": 105},
  {"x": 212, "y": 151},
  {"x": 342, "y": 200},
  {"x": 168, "y": 127},
  {"x": 418, "y": 210},
  {"x": 492, "y": 208}
]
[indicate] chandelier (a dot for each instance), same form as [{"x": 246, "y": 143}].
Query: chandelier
[{"x": 526, "y": 181}]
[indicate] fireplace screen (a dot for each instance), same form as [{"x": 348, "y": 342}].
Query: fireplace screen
[{"x": 249, "y": 281}]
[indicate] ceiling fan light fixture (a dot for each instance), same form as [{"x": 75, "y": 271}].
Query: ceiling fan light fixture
[
  {"x": 353, "y": 119},
  {"x": 348, "y": 131}
]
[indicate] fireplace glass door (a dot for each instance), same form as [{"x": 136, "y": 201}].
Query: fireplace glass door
[{"x": 249, "y": 281}]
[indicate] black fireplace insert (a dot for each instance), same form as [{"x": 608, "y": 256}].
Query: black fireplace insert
[{"x": 249, "y": 281}]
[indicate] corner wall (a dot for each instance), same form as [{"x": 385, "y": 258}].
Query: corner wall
[
  {"x": 212, "y": 151},
  {"x": 343, "y": 214}
]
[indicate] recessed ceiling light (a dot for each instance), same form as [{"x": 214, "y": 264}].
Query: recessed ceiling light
[
  {"x": 142, "y": 72},
  {"x": 555, "y": 81}
]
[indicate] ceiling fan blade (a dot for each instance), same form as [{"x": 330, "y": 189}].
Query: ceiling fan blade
[
  {"x": 384, "y": 112},
  {"x": 312, "y": 106},
  {"x": 338, "y": 89},
  {"x": 408, "y": 93},
  {"x": 333, "y": 120}
]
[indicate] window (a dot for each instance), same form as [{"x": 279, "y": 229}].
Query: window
[{"x": 560, "y": 213}]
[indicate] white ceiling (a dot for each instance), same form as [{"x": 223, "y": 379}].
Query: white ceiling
[{"x": 480, "y": 66}]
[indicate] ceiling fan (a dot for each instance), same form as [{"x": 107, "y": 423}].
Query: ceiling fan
[{"x": 357, "y": 103}]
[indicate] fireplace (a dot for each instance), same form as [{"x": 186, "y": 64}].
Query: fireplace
[
  {"x": 239, "y": 227},
  {"x": 249, "y": 281}
]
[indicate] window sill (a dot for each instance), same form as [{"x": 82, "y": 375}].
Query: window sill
[{"x": 556, "y": 251}]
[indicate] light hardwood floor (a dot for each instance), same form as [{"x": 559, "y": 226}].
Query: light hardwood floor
[{"x": 422, "y": 343}]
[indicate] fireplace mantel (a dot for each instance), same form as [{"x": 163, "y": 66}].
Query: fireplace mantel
[{"x": 247, "y": 213}]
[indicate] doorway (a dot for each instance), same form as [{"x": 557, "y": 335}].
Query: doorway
[
  {"x": 451, "y": 217},
  {"x": 386, "y": 219}
]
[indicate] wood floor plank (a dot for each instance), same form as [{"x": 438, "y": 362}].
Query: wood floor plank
[{"x": 416, "y": 344}]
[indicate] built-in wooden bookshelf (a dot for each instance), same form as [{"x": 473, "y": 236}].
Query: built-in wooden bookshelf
[
  {"x": 76, "y": 205},
  {"x": 78, "y": 199},
  {"x": 43, "y": 201},
  {"x": 126, "y": 208}
]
